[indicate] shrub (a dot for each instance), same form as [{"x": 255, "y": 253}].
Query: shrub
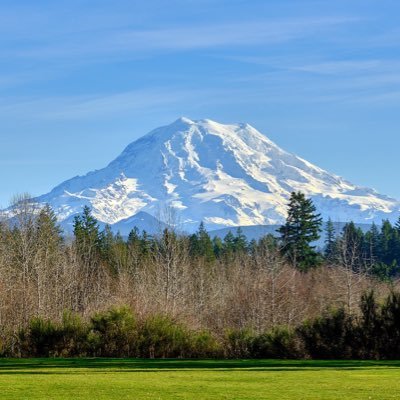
[
  {"x": 204, "y": 345},
  {"x": 238, "y": 343},
  {"x": 278, "y": 343},
  {"x": 74, "y": 336},
  {"x": 113, "y": 333},
  {"x": 328, "y": 337},
  {"x": 40, "y": 338},
  {"x": 368, "y": 331},
  {"x": 162, "y": 337}
]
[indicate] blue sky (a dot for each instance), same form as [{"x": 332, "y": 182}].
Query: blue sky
[{"x": 79, "y": 80}]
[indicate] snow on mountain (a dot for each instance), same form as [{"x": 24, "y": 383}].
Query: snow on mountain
[{"x": 225, "y": 175}]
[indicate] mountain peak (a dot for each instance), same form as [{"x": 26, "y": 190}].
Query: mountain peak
[
  {"x": 208, "y": 122},
  {"x": 240, "y": 132},
  {"x": 222, "y": 174},
  {"x": 183, "y": 120}
]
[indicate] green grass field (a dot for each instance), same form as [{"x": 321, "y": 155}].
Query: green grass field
[{"x": 179, "y": 379}]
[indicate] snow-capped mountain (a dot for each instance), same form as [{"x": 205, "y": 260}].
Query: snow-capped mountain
[{"x": 224, "y": 175}]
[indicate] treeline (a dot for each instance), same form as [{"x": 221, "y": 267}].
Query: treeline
[
  {"x": 377, "y": 250},
  {"x": 69, "y": 296}
]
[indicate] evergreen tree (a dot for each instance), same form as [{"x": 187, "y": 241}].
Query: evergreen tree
[
  {"x": 229, "y": 244},
  {"x": 87, "y": 235},
  {"x": 387, "y": 245},
  {"x": 389, "y": 248},
  {"x": 146, "y": 244},
  {"x": 218, "y": 246},
  {"x": 194, "y": 247},
  {"x": 330, "y": 240},
  {"x": 205, "y": 245},
  {"x": 240, "y": 241},
  {"x": 106, "y": 243},
  {"x": 302, "y": 228},
  {"x": 49, "y": 232},
  {"x": 133, "y": 237}
]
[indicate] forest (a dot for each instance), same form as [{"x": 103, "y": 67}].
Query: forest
[{"x": 96, "y": 293}]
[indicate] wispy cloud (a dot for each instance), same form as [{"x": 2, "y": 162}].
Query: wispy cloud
[
  {"x": 100, "y": 105},
  {"x": 175, "y": 38},
  {"x": 277, "y": 87},
  {"x": 358, "y": 80},
  {"x": 341, "y": 67}
]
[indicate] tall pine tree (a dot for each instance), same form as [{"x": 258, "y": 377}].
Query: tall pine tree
[
  {"x": 241, "y": 243},
  {"x": 87, "y": 235},
  {"x": 201, "y": 245},
  {"x": 206, "y": 248},
  {"x": 302, "y": 228},
  {"x": 330, "y": 241}
]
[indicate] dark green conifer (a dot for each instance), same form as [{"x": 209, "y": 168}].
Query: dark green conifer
[
  {"x": 302, "y": 228},
  {"x": 87, "y": 235},
  {"x": 229, "y": 243},
  {"x": 205, "y": 245},
  {"x": 134, "y": 237},
  {"x": 218, "y": 246},
  {"x": 240, "y": 241},
  {"x": 330, "y": 240}
]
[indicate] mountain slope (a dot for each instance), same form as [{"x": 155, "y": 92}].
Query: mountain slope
[{"x": 225, "y": 175}]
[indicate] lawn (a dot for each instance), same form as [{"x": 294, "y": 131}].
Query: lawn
[{"x": 180, "y": 379}]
